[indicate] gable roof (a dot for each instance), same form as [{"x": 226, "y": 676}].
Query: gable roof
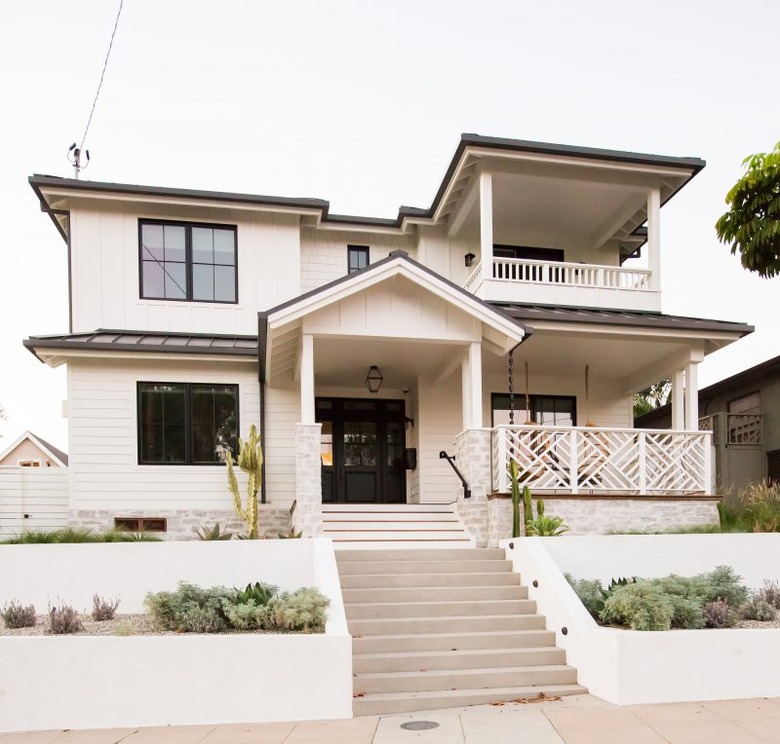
[
  {"x": 398, "y": 263},
  {"x": 49, "y": 449}
]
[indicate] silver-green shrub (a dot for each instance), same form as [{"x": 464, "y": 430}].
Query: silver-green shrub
[{"x": 639, "y": 606}]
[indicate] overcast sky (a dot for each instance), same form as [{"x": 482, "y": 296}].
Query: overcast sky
[{"x": 362, "y": 102}]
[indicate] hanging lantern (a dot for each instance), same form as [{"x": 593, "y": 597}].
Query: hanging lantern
[{"x": 374, "y": 379}]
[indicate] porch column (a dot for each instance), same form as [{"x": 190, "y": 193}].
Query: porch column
[
  {"x": 654, "y": 237},
  {"x": 486, "y": 223},
  {"x": 692, "y": 396},
  {"x": 306, "y": 362},
  {"x": 472, "y": 386},
  {"x": 678, "y": 400}
]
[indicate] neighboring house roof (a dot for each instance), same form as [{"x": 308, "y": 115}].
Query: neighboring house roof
[
  {"x": 48, "y": 449},
  {"x": 644, "y": 319},
  {"x": 144, "y": 341},
  {"x": 687, "y": 166}
]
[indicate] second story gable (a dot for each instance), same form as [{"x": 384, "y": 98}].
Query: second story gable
[{"x": 512, "y": 221}]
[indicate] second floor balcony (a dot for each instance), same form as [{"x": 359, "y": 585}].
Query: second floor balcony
[{"x": 563, "y": 283}]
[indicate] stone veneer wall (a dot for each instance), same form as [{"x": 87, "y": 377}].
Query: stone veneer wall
[
  {"x": 308, "y": 480},
  {"x": 591, "y": 515},
  {"x": 472, "y": 457},
  {"x": 272, "y": 520}
]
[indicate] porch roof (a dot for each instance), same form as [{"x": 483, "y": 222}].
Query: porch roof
[
  {"x": 53, "y": 350},
  {"x": 280, "y": 327},
  {"x": 651, "y": 320}
]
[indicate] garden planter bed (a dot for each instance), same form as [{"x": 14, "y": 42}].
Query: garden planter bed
[
  {"x": 152, "y": 679},
  {"x": 631, "y": 667}
]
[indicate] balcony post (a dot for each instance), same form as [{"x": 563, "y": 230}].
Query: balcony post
[
  {"x": 654, "y": 238},
  {"x": 642, "y": 459},
  {"x": 574, "y": 479},
  {"x": 691, "y": 396},
  {"x": 306, "y": 362},
  {"x": 678, "y": 400},
  {"x": 486, "y": 223},
  {"x": 472, "y": 386}
]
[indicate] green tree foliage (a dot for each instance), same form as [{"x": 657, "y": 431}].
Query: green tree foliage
[
  {"x": 752, "y": 224},
  {"x": 655, "y": 396}
]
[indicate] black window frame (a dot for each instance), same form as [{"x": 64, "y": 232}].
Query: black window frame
[
  {"x": 528, "y": 252},
  {"x": 188, "y": 428},
  {"x": 357, "y": 250},
  {"x": 188, "y": 262},
  {"x": 533, "y": 400}
]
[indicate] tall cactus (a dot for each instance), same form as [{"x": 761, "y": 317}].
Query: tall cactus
[{"x": 250, "y": 460}]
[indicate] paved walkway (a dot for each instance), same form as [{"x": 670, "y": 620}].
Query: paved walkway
[{"x": 581, "y": 719}]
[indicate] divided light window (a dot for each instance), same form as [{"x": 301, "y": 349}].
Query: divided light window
[
  {"x": 357, "y": 258},
  {"x": 185, "y": 423},
  {"x": 188, "y": 261},
  {"x": 547, "y": 410}
]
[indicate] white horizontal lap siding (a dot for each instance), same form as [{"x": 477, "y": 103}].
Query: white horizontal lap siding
[
  {"x": 40, "y": 494},
  {"x": 324, "y": 253},
  {"x": 282, "y": 413},
  {"x": 440, "y": 420},
  {"x": 105, "y": 270},
  {"x": 104, "y": 468}
]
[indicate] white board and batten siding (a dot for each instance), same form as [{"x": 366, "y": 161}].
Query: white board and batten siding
[
  {"x": 105, "y": 272},
  {"x": 104, "y": 471},
  {"x": 32, "y": 499}
]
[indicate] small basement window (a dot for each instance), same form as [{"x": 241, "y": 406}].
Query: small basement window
[{"x": 141, "y": 524}]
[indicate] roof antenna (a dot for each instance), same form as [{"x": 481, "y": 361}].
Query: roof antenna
[{"x": 74, "y": 155}]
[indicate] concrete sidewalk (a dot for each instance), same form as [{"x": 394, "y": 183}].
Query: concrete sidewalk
[{"x": 581, "y": 719}]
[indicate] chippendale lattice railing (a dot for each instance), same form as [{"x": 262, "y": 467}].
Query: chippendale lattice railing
[{"x": 600, "y": 460}]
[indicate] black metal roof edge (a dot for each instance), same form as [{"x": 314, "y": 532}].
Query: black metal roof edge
[
  {"x": 749, "y": 375},
  {"x": 394, "y": 256},
  {"x": 614, "y": 316},
  {"x": 48, "y": 210},
  {"x": 69, "y": 341},
  {"x": 404, "y": 212}
]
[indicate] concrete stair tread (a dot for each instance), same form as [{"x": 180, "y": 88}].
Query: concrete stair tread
[
  {"x": 535, "y": 668},
  {"x": 428, "y": 581},
  {"x": 471, "y": 554},
  {"x": 439, "y": 609},
  {"x": 389, "y": 566},
  {"x": 398, "y": 702},
  {"x": 463, "y": 634},
  {"x": 453, "y": 652},
  {"x": 406, "y": 594}
]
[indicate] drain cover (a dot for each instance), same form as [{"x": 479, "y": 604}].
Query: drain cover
[{"x": 419, "y": 725}]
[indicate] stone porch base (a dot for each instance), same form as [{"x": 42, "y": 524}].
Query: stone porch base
[
  {"x": 182, "y": 523},
  {"x": 600, "y": 515}
]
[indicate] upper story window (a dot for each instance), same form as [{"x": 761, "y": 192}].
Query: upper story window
[
  {"x": 188, "y": 261},
  {"x": 527, "y": 252},
  {"x": 357, "y": 258},
  {"x": 186, "y": 423}
]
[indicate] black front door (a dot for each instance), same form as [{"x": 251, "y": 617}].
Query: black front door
[{"x": 362, "y": 450}]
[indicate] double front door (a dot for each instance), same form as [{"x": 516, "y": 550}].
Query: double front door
[{"x": 362, "y": 450}]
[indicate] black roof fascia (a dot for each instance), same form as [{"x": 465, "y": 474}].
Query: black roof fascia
[
  {"x": 746, "y": 377},
  {"x": 635, "y": 318},
  {"x": 393, "y": 256},
  {"x": 466, "y": 140}
]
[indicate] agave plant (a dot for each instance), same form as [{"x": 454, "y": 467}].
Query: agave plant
[{"x": 215, "y": 532}]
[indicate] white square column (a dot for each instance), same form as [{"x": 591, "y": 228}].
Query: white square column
[
  {"x": 654, "y": 238},
  {"x": 692, "y": 396},
  {"x": 678, "y": 400},
  {"x": 306, "y": 370},
  {"x": 486, "y": 223},
  {"x": 471, "y": 371}
]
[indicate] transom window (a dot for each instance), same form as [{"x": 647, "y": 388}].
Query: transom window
[
  {"x": 186, "y": 424},
  {"x": 357, "y": 258},
  {"x": 188, "y": 261},
  {"x": 547, "y": 410}
]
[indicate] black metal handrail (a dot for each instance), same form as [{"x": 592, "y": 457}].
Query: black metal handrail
[{"x": 451, "y": 460}]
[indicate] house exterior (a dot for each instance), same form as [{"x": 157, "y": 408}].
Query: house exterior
[
  {"x": 507, "y": 321},
  {"x": 743, "y": 414}
]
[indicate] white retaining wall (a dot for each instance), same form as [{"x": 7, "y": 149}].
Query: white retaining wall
[
  {"x": 32, "y": 499},
  {"x": 631, "y": 667},
  {"x": 94, "y": 682}
]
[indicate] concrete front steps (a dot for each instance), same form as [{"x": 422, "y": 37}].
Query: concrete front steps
[
  {"x": 442, "y": 628},
  {"x": 389, "y": 526}
]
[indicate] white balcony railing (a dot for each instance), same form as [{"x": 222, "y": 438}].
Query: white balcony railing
[
  {"x": 600, "y": 460},
  {"x": 559, "y": 273}
]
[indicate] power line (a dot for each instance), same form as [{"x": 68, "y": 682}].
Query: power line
[{"x": 102, "y": 74}]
